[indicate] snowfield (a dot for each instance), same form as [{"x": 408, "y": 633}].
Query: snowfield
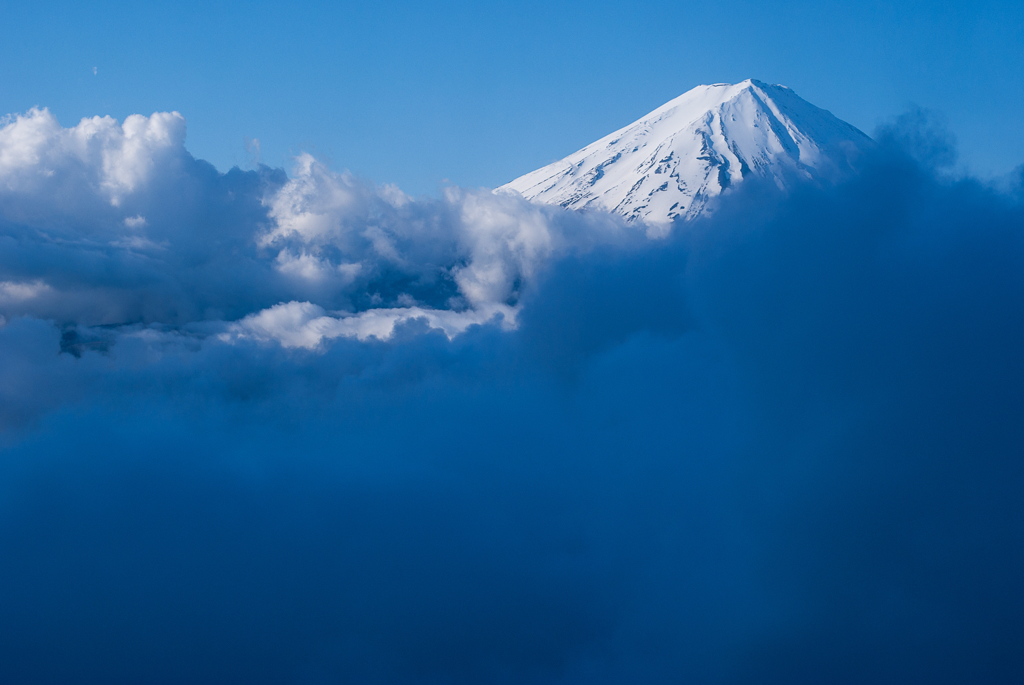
[{"x": 673, "y": 162}]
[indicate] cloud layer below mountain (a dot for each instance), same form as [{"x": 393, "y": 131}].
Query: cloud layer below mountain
[{"x": 260, "y": 427}]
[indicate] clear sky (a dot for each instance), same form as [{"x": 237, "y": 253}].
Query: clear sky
[{"x": 475, "y": 94}]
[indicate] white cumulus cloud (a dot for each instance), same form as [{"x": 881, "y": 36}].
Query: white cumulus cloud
[{"x": 125, "y": 227}]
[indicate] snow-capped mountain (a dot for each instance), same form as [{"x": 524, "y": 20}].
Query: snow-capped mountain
[{"x": 674, "y": 161}]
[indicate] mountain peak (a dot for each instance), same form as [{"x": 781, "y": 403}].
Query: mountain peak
[{"x": 674, "y": 161}]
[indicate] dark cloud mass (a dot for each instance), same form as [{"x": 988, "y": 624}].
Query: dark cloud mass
[{"x": 782, "y": 446}]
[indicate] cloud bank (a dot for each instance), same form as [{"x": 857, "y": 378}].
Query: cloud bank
[
  {"x": 272, "y": 428},
  {"x": 108, "y": 224}
]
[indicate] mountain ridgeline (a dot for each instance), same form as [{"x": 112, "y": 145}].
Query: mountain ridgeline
[{"x": 673, "y": 162}]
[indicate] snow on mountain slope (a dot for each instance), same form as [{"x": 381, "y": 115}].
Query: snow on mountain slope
[{"x": 674, "y": 161}]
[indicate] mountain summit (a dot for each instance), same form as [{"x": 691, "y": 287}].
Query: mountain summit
[{"x": 679, "y": 157}]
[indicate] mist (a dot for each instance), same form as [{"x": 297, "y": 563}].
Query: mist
[{"x": 308, "y": 429}]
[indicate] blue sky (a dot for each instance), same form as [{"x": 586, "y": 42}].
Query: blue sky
[{"x": 474, "y": 94}]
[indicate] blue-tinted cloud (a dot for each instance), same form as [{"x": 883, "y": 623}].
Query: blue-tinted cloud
[
  {"x": 109, "y": 224},
  {"x": 782, "y": 445}
]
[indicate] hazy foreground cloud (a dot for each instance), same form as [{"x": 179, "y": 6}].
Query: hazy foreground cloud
[{"x": 316, "y": 431}]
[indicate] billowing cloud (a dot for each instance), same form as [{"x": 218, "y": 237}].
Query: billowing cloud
[
  {"x": 119, "y": 224},
  {"x": 99, "y": 157},
  {"x": 314, "y": 430}
]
